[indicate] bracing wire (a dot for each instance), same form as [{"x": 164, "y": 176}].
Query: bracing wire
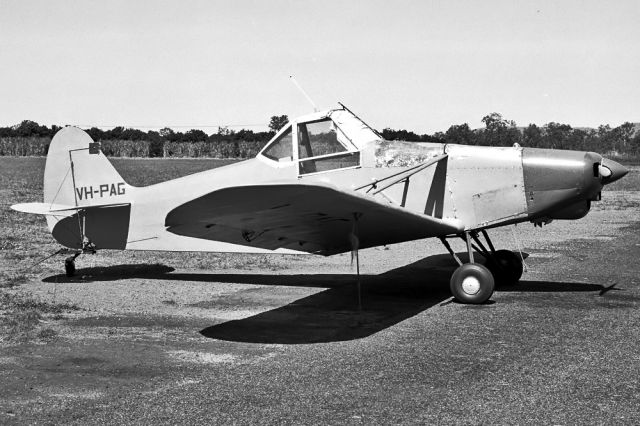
[{"x": 519, "y": 246}]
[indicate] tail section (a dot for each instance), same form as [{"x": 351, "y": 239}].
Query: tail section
[
  {"x": 86, "y": 201},
  {"x": 78, "y": 174}
]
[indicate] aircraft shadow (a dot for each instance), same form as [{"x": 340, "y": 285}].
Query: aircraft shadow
[
  {"x": 387, "y": 299},
  {"x": 330, "y": 315},
  {"x": 112, "y": 273}
]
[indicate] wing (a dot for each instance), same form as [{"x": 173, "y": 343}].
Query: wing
[{"x": 310, "y": 218}]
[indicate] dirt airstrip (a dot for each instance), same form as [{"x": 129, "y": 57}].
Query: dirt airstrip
[{"x": 194, "y": 338}]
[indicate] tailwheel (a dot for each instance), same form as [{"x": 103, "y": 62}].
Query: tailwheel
[
  {"x": 70, "y": 262},
  {"x": 70, "y": 266},
  {"x": 506, "y": 267},
  {"x": 472, "y": 283}
]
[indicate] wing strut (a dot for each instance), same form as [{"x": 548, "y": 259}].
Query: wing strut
[
  {"x": 355, "y": 245},
  {"x": 402, "y": 176}
]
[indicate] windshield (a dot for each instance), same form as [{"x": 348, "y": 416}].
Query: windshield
[{"x": 281, "y": 149}]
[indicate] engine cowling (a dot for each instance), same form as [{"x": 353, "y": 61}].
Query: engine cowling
[
  {"x": 561, "y": 184},
  {"x": 574, "y": 211}
]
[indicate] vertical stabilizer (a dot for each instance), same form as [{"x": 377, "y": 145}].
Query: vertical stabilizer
[{"x": 77, "y": 174}]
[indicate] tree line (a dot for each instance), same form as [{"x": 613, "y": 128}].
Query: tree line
[
  {"x": 31, "y": 138},
  {"x": 621, "y": 141}
]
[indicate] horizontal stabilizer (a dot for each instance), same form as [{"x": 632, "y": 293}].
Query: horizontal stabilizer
[{"x": 55, "y": 209}]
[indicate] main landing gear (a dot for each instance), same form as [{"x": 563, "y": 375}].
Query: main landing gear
[{"x": 474, "y": 282}]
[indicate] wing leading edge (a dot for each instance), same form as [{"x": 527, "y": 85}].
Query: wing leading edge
[{"x": 310, "y": 218}]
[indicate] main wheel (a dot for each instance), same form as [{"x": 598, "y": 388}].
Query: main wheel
[
  {"x": 506, "y": 267},
  {"x": 70, "y": 266},
  {"x": 472, "y": 283}
]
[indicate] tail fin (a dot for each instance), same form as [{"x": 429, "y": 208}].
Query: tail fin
[
  {"x": 85, "y": 198},
  {"x": 78, "y": 174}
]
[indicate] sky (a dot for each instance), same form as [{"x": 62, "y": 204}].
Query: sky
[{"x": 415, "y": 65}]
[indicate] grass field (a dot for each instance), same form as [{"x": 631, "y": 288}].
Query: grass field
[
  {"x": 25, "y": 240},
  {"x": 201, "y": 338}
]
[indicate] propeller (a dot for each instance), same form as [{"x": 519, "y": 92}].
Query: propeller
[{"x": 609, "y": 288}]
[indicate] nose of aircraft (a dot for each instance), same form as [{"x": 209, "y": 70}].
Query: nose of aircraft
[{"x": 610, "y": 171}]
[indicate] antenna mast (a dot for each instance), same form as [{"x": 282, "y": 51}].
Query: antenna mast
[{"x": 293, "y": 80}]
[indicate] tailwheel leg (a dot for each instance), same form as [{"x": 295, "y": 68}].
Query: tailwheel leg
[{"x": 472, "y": 282}]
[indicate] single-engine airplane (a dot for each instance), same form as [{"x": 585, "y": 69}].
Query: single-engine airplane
[{"x": 326, "y": 183}]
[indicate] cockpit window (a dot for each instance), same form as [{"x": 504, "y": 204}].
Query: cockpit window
[
  {"x": 320, "y": 149},
  {"x": 281, "y": 149},
  {"x": 318, "y": 138}
]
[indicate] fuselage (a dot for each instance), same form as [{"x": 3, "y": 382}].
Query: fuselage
[
  {"x": 480, "y": 186},
  {"x": 475, "y": 187}
]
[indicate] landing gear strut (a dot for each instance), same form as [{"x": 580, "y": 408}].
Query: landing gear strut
[
  {"x": 473, "y": 282},
  {"x": 86, "y": 245}
]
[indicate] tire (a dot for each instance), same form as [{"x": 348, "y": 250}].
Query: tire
[
  {"x": 472, "y": 283},
  {"x": 506, "y": 267},
  {"x": 70, "y": 266}
]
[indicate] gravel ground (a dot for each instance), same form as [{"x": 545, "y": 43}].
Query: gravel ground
[{"x": 154, "y": 339}]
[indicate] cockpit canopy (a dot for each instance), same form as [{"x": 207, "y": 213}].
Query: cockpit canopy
[{"x": 320, "y": 142}]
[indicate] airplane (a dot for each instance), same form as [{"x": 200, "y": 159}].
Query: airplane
[{"x": 326, "y": 183}]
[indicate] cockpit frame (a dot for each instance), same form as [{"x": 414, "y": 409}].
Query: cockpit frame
[{"x": 328, "y": 148}]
